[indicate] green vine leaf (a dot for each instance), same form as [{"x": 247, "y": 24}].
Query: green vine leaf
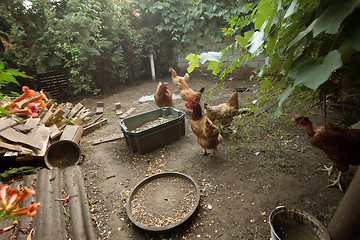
[
  {"x": 210, "y": 56},
  {"x": 214, "y": 66},
  {"x": 331, "y": 19},
  {"x": 193, "y": 62},
  {"x": 244, "y": 41},
  {"x": 312, "y": 74}
]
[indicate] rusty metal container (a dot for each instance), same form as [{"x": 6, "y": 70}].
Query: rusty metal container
[{"x": 289, "y": 224}]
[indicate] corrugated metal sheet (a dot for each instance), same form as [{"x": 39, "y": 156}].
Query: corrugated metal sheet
[{"x": 54, "y": 220}]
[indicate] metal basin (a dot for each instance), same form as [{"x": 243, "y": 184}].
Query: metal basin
[{"x": 163, "y": 201}]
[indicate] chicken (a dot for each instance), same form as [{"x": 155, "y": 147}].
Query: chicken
[
  {"x": 186, "y": 93},
  {"x": 175, "y": 77},
  {"x": 224, "y": 112},
  {"x": 341, "y": 146},
  {"x": 163, "y": 97},
  {"x": 207, "y": 134}
]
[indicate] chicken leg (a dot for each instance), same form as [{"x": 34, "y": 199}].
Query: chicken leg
[
  {"x": 336, "y": 182},
  {"x": 327, "y": 169}
]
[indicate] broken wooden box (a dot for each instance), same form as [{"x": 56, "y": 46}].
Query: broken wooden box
[{"x": 157, "y": 136}]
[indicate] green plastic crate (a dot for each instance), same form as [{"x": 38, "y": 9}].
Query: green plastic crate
[{"x": 154, "y": 137}]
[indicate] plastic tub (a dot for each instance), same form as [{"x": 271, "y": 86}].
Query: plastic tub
[{"x": 153, "y": 137}]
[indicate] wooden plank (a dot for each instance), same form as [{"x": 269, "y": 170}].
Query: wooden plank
[
  {"x": 128, "y": 112},
  {"x": 41, "y": 133},
  {"x": 108, "y": 139},
  {"x": 17, "y": 137},
  {"x": 54, "y": 117},
  {"x": 66, "y": 112},
  {"x": 94, "y": 126},
  {"x": 54, "y": 131},
  {"x": 118, "y": 109},
  {"x": 32, "y": 122},
  {"x": 84, "y": 114},
  {"x": 50, "y": 103},
  {"x": 19, "y": 148},
  {"x": 76, "y": 121},
  {"x": 75, "y": 110},
  {"x": 72, "y": 132},
  {"x": 99, "y": 107},
  {"x": 11, "y": 154},
  {"x": 6, "y": 122},
  {"x": 46, "y": 117},
  {"x": 94, "y": 121},
  {"x": 22, "y": 128}
]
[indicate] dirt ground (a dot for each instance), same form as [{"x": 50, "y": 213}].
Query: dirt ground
[{"x": 240, "y": 186}]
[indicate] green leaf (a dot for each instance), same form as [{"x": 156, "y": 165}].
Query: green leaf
[
  {"x": 256, "y": 40},
  {"x": 265, "y": 83},
  {"x": 210, "y": 56},
  {"x": 312, "y": 74},
  {"x": 302, "y": 34},
  {"x": 277, "y": 112},
  {"x": 346, "y": 50},
  {"x": 265, "y": 10},
  {"x": 285, "y": 94},
  {"x": 288, "y": 63},
  {"x": 6, "y": 77},
  {"x": 271, "y": 41},
  {"x": 2, "y": 65},
  {"x": 215, "y": 66},
  {"x": 274, "y": 62},
  {"x": 291, "y": 9},
  {"x": 244, "y": 41},
  {"x": 15, "y": 72},
  {"x": 331, "y": 19},
  {"x": 193, "y": 62}
]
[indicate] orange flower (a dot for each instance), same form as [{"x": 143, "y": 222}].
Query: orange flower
[{"x": 15, "y": 197}]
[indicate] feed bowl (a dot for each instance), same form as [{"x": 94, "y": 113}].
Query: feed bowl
[{"x": 163, "y": 201}]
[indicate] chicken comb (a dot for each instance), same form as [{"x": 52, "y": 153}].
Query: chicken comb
[{"x": 191, "y": 100}]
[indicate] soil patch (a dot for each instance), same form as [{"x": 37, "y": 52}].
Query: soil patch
[{"x": 239, "y": 187}]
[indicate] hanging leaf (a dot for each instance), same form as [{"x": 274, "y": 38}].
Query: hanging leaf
[
  {"x": 265, "y": 10},
  {"x": 256, "y": 40},
  {"x": 271, "y": 41},
  {"x": 312, "y": 74},
  {"x": 285, "y": 94},
  {"x": 291, "y": 9},
  {"x": 210, "y": 56},
  {"x": 331, "y": 19},
  {"x": 244, "y": 41},
  {"x": 193, "y": 62},
  {"x": 214, "y": 66},
  {"x": 274, "y": 62}
]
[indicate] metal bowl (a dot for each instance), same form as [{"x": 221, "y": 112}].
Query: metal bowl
[{"x": 161, "y": 198}]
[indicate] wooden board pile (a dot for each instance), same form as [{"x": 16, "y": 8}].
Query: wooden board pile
[{"x": 29, "y": 138}]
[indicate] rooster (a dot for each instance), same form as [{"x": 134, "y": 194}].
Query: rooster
[
  {"x": 186, "y": 93},
  {"x": 224, "y": 112},
  {"x": 175, "y": 78},
  {"x": 162, "y": 96},
  {"x": 207, "y": 134},
  {"x": 341, "y": 146}
]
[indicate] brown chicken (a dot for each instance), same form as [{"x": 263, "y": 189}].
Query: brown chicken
[
  {"x": 186, "y": 93},
  {"x": 162, "y": 96},
  {"x": 207, "y": 134},
  {"x": 341, "y": 146},
  {"x": 224, "y": 112},
  {"x": 175, "y": 78}
]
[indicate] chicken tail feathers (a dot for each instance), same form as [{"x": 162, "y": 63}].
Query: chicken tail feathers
[{"x": 202, "y": 90}]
